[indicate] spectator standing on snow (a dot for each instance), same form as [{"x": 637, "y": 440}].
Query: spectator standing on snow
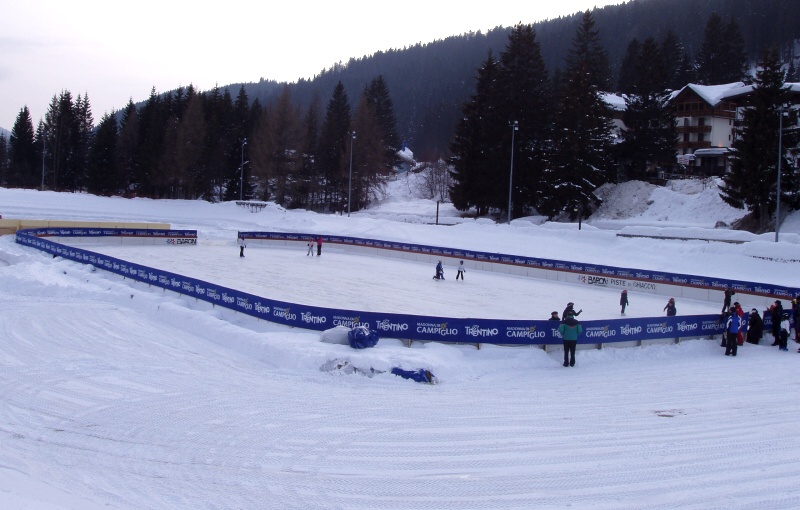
[
  {"x": 729, "y": 292},
  {"x": 784, "y": 333},
  {"x": 755, "y": 327},
  {"x": 242, "y": 245},
  {"x": 670, "y": 308},
  {"x": 570, "y": 329},
  {"x": 732, "y": 327},
  {"x": 623, "y": 301},
  {"x": 796, "y": 311},
  {"x": 461, "y": 271},
  {"x": 570, "y": 310},
  {"x": 776, "y": 314},
  {"x": 310, "y": 247},
  {"x": 319, "y": 246}
]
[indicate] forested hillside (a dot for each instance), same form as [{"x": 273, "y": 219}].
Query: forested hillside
[{"x": 429, "y": 82}]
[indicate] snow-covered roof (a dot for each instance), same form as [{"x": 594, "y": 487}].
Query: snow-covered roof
[
  {"x": 746, "y": 90},
  {"x": 711, "y": 94},
  {"x": 711, "y": 151}
]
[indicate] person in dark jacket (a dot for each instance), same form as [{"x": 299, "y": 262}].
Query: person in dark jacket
[
  {"x": 732, "y": 327},
  {"x": 776, "y": 314},
  {"x": 319, "y": 246},
  {"x": 729, "y": 292},
  {"x": 623, "y": 301},
  {"x": 439, "y": 271},
  {"x": 570, "y": 329},
  {"x": 554, "y": 317},
  {"x": 755, "y": 327},
  {"x": 796, "y": 311},
  {"x": 570, "y": 310},
  {"x": 670, "y": 307}
]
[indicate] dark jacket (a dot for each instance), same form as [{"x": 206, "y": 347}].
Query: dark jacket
[
  {"x": 623, "y": 298},
  {"x": 755, "y": 328},
  {"x": 671, "y": 309},
  {"x": 569, "y": 310}
]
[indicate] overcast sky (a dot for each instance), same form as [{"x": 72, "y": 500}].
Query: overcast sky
[{"x": 117, "y": 50}]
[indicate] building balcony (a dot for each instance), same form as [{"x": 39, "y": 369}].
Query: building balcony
[
  {"x": 693, "y": 129},
  {"x": 693, "y": 145}
]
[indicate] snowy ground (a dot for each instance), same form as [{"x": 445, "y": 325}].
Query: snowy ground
[{"x": 114, "y": 395}]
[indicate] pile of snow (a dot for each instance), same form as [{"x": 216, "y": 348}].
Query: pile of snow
[{"x": 681, "y": 203}]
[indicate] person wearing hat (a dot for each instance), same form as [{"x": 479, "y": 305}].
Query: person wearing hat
[
  {"x": 623, "y": 300},
  {"x": 570, "y": 329},
  {"x": 570, "y": 310},
  {"x": 755, "y": 327},
  {"x": 554, "y": 317},
  {"x": 670, "y": 308}
]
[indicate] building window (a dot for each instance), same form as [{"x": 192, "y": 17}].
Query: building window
[
  {"x": 700, "y": 137},
  {"x": 701, "y": 121}
]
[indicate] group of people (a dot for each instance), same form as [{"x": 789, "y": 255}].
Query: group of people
[
  {"x": 741, "y": 327},
  {"x": 439, "y": 274},
  {"x": 670, "y": 307},
  {"x": 310, "y": 245}
]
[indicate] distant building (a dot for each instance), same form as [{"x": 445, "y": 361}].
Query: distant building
[{"x": 705, "y": 120}]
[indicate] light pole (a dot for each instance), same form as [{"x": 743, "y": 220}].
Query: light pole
[
  {"x": 43, "y": 153},
  {"x": 780, "y": 157},
  {"x": 350, "y": 181},
  {"x": 514, "y": 127},
  {"x": 241, "y": 172}
]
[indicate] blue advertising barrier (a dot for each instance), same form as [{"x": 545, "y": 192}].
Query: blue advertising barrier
[{"x": 389, "y": 325}]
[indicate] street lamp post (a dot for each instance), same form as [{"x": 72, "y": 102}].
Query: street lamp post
[
  {"x": 350, "y": 181},
  {"x": 780, "y": 157},
  {"x": 43, "y": 154},
  {"x": 514, "y": 127},
  {"x": 241, "y": 172}
]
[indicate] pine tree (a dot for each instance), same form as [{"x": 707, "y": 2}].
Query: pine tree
[
  {"x": 676, "y": 61},
  {"x": 334, "y": 144},
  {"x": 523, "y": 96},
  {"x": 190, "y": 166},
  {"x": 103, "y": 176},
  {"x": 722, "y": 57},
  {"x": 285, "y": 135},
  {"x": 22, "y": 154},
  {"x": 308, "y": 174},
  {"x": 628, "y": 70},
  {"x": 128, "y": 150},
  {"x": 752, "y": 181},
  {"x": 582, "y": 159},
  {"x": 377, "y": 93},
  {"x": 369, "y": 154},
  {"x": 649, "y": 136},
  {"x": 473, "y": 160},
  {"x": 3, "y": 160}
]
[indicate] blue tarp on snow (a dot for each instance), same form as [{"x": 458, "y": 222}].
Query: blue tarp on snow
[
  {"x": 361, "y": 337},
  {"x": 420, "y": 375}
]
